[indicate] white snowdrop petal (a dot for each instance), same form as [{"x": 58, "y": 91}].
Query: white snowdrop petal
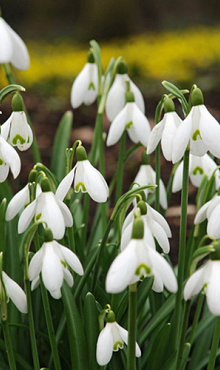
[
  {"x": 36, "y": 264},
  {"x": 26, "y": 217},
  {"x": 212, "y": 290},
  {"x": 72, "y": 260},
  {"x": 139, "y": 100},
  {"x": 52, "y": 270},
  {"x": 160, "y": 235},
  {"x": 194, "y": 284},
  {"x": 214, "y": 223},
  {"x": 178, "y": 178},
  {"x": 155, "y": 136},
  {"x": 20, "y": 57},
  {"x": 68, "y": 277},
  {"x": 162, "y": 268},
  {"x": 163, "y": 195},
  {"x": 17, "y": 202},
  {"x": 172, "y": 122},
  {"x": 65, "y": 184},
  {"x": 80, "y": 86},
  {"x": 122, "y": 269},
  {"x": 15, "y": 292},
  {"x": 10, "y": 156},
  {"x": 126, "y": 236},
  {"x": 210, "y": 131},
  {"x": 4, "y": 171},
  {"x": 6, "y": 127},
  {"x": 202, "y": 213},
  {"x": 141, "y": 125},
  {"x": 160, "y": 219},
  {"x": 67, "y": 215},
  {"x": 116, "y": 97},
  {"x": 215, "y": 202},
  {"x": 104, "y": 347},
  {"x": 6, "y": 47},
  {"x": 117, "y": 127},
  {"x": 181, "y": 139},
  {"x": 95, "y": 183}
]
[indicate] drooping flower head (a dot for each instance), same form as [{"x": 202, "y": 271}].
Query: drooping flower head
[
  {"x": 53, "y": 261},
  {"x": 207, "y": 277},
  {"x": 165, "y": 130},
  {"x": 198, "y": 167},
  {"x": 147, "y": 176},
  {"x": 110, "y": 339},
  {"x": 133, "y": 120},
  {"x": 199, "y": 129},
  {"x": 85, "y": 87},
  {"x": 16, "y": 129},
  {"x": 138, "y": 259},
  {"x": 116, "y": 97},
  {"x": 86, "y": 178},
  {"x": 12, "y": 49},
  {"x": 49, "y": 208}
]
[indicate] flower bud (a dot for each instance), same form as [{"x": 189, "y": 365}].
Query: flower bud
[
  {"x": 81, "y": 153},
  {"x": 122, "y": 67},
  {"x": 17, "y": 104},
  {"x": 196, "y": 97}
]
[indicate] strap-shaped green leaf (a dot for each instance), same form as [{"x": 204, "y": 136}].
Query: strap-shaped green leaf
[
  {"x": 61, "y": 142},
  {"x": 92, "y": 329}
]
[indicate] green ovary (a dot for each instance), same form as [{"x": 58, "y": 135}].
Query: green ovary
[
  {"x": 117, "y": 345},
  {"x": 18, "y": 138},
  {"x": 140, "y": 268},
  {"x": 196, "y": 135},
  {"x": 80, "y": 185},
  {"x": 198, "y": 169}
]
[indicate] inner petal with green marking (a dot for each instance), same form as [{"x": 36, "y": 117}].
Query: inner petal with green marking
[
  {"x": 117, "y": 345},
  {"x": 18, "y": 138},
  {"x": 143, "y": 269},
  {"x": 91, "y": 86},
  {"x": 129, "y": 124},
  {"x": 199, "y": 170},
  {"x": 80, "y": 186},
  {"x": 196, "y": 135}
]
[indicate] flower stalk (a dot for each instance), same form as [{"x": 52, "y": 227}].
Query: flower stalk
[{"x": 132, "y": 315}]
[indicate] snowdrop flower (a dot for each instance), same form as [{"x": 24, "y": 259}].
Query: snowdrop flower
[
  {"x": 139, "y": 259},
  {"x": 199, "y": 129},
  {"x": 110, "y": 339},
  {"x": 132, "y": 119},
  {"x": 147, "y": 176},
  {"x": 21, "y": 199},
  {"x": 12, "y": 48},
  {"x": 16, "y": 129},
  {"x": 155, "y": 226},
  {"x": 85, "y": 87},
  {"x": 9, "y": 159},
  {"x": 211, "y": 211},
  {"x": 165, "y": 130},
  {"x": 116, "y": 96},
  {"x": 52, "y": 260},
  {"x": 14, "y": 292},
  {"x": 206, "y": 277},
  {"x": 86, "y": 178},
  {"x": 198, "y": 167},
  {"x": 49, "y": 208}
]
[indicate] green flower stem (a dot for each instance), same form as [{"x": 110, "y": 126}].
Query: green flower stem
[
  {"x": 183, "y": 334},
  {"x": 119, "y": 178},
  {"x": 8, "y": 345},
  {"x": 157, "y": 170},
  {"x": 50, "y": 327},
  {"x": 132, "y": 316},
  {"x": 196, "y": 318},
  {"x": 35, "y": 150},
  {"x": 215, "y": 342},
  {"x": 182, "y": 245},
  {"x": 31, "y": 325}
]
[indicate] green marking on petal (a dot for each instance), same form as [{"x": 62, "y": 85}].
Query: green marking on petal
[
  {"x": 198, "y": 169},
  {"x": 196, "y": 134},
  {"x": 63, "y": 263},
  {"x": 80, "y": 185},
  {"x": 117, "y": 345},
  {"x": 18, "y": 138},
  {"x": 141, "y": 267},
  {"x": 91, "y": 86},
  {"x": 38, "y": 216},
  {"x": 129, "y": 124},
  {"x": 1, "y": 162}
]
